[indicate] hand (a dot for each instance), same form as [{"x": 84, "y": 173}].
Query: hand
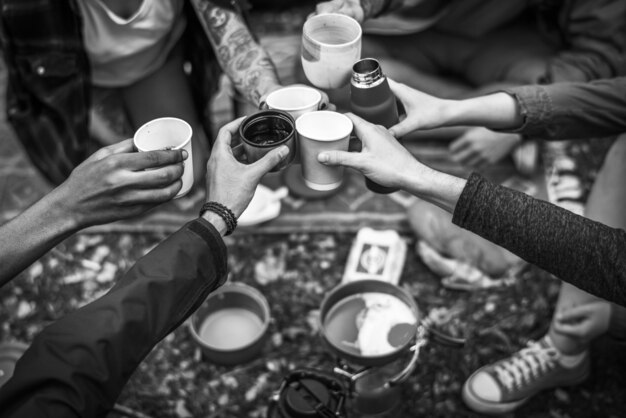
[
  {"x": 351, "y": 8},
  {"x": 230, "y": 182},
  {"x": 423, "y": 111},
  {"x": 584, "y": 322},
  {"x": 117, "y": 183},
  {"x": 382, "y": 159},
  {"x": 479, "y": 147}
]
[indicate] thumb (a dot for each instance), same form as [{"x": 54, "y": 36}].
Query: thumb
[
  {"x": 402, "y": 128},
  {"x": 269, "y": 160},
  {"x": 402, "y": 93},
  {"x": 341, "y": 158}
]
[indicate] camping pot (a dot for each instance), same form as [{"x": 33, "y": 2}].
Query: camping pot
[{"x": 374, "y": 373}]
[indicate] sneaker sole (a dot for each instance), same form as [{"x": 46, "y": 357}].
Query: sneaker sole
[{"x": 492, "y": 408}]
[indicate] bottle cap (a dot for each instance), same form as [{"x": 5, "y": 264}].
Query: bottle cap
[{"x": 367, "y": 73}]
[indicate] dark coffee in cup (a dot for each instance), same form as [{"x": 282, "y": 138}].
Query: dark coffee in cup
[{"x": 265, "y": 130}]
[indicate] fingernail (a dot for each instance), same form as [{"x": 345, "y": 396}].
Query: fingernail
[
  {"x": 323, "y": 157},
  {"x": 185, "y": 154},
  {"x": 283, "y": 151}
]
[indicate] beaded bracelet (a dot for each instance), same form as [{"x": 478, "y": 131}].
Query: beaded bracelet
[{"x": 226, "y": 214}]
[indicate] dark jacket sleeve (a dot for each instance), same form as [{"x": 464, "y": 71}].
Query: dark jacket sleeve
[
  {"x": 585, "y": 253},
  {"x": 77, "y": 366},
  {"x": 593, "y": 38},
  {"x": 572, "y": 110}
]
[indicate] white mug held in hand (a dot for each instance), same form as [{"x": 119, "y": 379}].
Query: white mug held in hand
[
  {"x": 318, "y": 132},
  {"x": 168, "y": 133},
  {"x": 331, "y": 44},
  {"x": 295, "y": 100}
]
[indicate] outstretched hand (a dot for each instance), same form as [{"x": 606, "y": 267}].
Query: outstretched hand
[
  {"x": 116, "y": 183},
  {"x": 230, "y": 182},
  {"x": 382, "y": 159},
  {"x": 423, "y": 111}
]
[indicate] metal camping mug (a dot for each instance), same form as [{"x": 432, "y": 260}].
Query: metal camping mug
[{"x": 266, "y": 130}]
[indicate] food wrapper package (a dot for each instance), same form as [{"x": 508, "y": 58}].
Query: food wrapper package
[{"x": 378, "y": 255}]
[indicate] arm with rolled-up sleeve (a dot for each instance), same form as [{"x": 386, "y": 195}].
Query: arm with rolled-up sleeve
[{"x": 572, "y": 110}]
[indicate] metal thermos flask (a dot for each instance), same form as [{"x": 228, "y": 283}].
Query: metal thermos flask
[{"x": 372, "y": 99}]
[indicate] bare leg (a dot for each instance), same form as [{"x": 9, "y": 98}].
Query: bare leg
[
  {"x": 606, "y": 204},
  {"x": 166, "y": 93}
]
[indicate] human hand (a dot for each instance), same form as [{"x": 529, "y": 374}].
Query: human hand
[
  {"x": 351, "y": 8},
  {"x": 116, "y": 183},
  {"x": 423, "y": 111},
  {"x": 584, "y": 322},
  {"x": 230, "y": 182},
  {"x": 382, "y": 158},
  {"x": 479, "y": 147}
]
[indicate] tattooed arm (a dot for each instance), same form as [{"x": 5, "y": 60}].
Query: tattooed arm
[{"x": 244, "y": 61}]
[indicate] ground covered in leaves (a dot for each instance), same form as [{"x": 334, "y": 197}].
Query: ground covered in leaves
[{"x": 294, "y": 272}]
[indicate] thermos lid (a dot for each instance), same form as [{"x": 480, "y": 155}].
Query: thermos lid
[
  {"x": 366, "y": 72},
  {"x": 302, "y": 398},
  {"x": 309, "y": 393}
]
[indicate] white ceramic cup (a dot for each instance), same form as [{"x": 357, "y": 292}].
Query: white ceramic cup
[
  {"x": 168, "y": 133},
  {"x": 331, "y": 44},
  {"x": 317, "y": 132},
  {"x": 295, "y": 100}
]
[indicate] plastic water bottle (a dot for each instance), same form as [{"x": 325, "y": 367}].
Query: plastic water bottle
[{"x": 372, "y": 99}]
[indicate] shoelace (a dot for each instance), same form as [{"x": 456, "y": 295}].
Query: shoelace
[{"x": 529, "y": 363}]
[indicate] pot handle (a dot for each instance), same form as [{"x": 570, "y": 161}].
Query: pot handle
[
  {"x": 440, "y": 337},
  {"x": 420, "y": 341}
]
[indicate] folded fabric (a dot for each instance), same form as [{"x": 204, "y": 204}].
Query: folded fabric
[
  {"x": 456, "y": 274},
  {"x": 434, "y": 226}
]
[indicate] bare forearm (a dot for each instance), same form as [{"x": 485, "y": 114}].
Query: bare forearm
[
  {"x": 31, "y": 234},
  {"x": 438, "y": 188},
  {"x": 494, "y": 111},
  {"x": 244, "y": 61}
]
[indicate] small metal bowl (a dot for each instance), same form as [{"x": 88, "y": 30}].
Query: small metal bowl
[{"x": 231, "y": 325}]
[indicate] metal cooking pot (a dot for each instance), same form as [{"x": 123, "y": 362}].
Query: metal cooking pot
[{"x": 375, "y": 387}]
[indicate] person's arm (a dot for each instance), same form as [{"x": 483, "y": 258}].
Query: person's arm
[
  {"x": 593, "y": 34},
  {"x": 241, "y": 57},
  {"x": 587, "y": 254},
  {"x": 77, "y": 366},
  {"x": 110, "y": 185},
  {"x": 556, "y": 111}
]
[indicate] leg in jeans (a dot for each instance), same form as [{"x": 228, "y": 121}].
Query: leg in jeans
[{"x": 166, "y": 93}]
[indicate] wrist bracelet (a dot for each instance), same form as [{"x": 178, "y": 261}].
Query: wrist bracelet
[{"x": 223, "y": 212}]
